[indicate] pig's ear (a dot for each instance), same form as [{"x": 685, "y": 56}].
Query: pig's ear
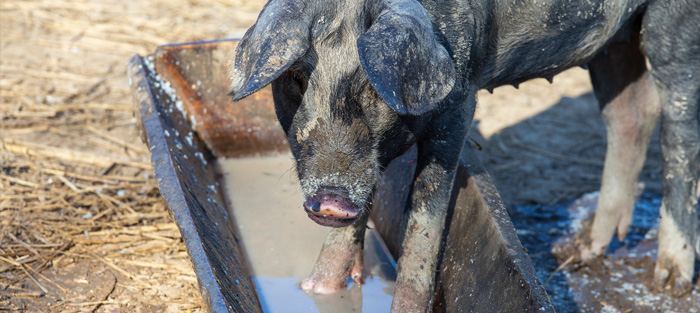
[
  {"x": 404, "y": 62},
  {"x": 278, "y": 39}
]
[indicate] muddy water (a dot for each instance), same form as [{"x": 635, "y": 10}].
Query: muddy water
[{"x": 281, "y": 243}]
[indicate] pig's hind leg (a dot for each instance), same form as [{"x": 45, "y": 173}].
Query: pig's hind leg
[
  {"x": 340, "y": 258},
  {"x": 630, "y": 108},
  {"x": 671, "y": 41}
]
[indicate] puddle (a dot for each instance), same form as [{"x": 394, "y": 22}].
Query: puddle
[{"x": 281, "y": 243}]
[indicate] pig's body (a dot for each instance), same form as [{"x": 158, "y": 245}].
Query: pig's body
[
  {"x": 532, "y": 39},
  {"x": 358, "y": 82}
]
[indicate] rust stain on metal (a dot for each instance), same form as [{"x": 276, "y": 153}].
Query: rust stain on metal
[{"x": 199, "y": 75}]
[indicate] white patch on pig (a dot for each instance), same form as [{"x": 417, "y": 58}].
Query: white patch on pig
[
  {"x": 674, "y": 248},
  {"x": 303, "y": 133},
  {"x": 681, "y": 106}
]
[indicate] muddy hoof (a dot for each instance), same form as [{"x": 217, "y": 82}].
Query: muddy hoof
[
  {"x": 578, "y": 251},
  {"x": 588, "y": 249},
  {"x": 674, "y": 283},
  {"x": 589, "y": 255}
]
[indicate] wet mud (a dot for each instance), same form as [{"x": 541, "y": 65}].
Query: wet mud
[
  {"x": 618, "y": 282},
  {"x": 544, "y": 145}
]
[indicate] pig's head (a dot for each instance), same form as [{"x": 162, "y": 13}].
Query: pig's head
[{"x": 348, "y": 78}]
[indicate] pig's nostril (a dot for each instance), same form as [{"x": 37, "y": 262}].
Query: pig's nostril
[
  {"x": 330, "y": 206},
  {"x": 313, "y": 206}
]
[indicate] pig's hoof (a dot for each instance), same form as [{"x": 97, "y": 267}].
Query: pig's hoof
[
  {"x": 673, "y": 273},
  {"x": 585, "y": 249},
  {"x": 356, "y": 272},
  {"x": 591, "y": 252},
  {"x": 677, "y": 285},
  {"x": 322, "y": 287}
]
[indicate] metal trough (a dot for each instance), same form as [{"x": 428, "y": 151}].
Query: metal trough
[{"x": 188, "y": 121}]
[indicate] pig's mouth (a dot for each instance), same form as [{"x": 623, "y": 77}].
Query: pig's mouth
[
  {"x": 330, "y": 221},
  {"x": 331, "y": 207}
]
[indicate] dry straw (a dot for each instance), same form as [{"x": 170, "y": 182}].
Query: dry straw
[{"x": 83, "y": 227}]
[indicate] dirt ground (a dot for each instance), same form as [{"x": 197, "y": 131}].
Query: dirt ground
[{"x": 83, "y": 226}]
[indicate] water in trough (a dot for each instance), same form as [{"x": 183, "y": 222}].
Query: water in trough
[{"x": 281, "y": 243}]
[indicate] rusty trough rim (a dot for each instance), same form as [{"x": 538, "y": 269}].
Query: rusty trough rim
[
  {"x": 479, "y": 226},
  {"x": 189, "y": 214}
]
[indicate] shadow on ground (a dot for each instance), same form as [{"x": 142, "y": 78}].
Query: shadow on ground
[
  {"x": 542, "y": 164},
  {"x": 555, "y": 155}
]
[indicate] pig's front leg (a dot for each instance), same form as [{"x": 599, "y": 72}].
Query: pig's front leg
[
  {"x": 340, "y": 258},
  {"x": 437, "y": 162}
]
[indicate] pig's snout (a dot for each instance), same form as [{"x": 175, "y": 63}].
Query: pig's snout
[{"x": 331, "y": 206}]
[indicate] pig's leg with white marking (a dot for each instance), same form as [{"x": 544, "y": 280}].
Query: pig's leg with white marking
[
  {"x": 630, "y": 109},
  {"x": 678, "y": 227},
  {"x": 340, "y": 258},
  {"x": 672, "y": 45}
]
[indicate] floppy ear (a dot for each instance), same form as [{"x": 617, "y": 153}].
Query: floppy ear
[
  {"x": 404, "y": 62},
  {"x": 279, "y": 38}
]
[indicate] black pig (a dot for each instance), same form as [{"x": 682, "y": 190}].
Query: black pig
[{"x": 357, "y": 82}]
